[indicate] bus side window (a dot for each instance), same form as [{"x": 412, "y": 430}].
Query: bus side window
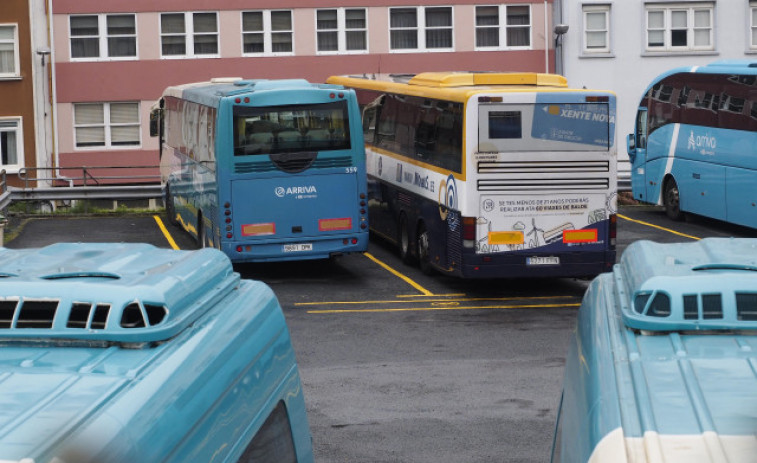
[
  {"x": 273, "y": 443},
  {"x": 641, "y": 129}
]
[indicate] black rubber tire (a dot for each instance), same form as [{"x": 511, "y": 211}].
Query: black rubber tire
[
  {"x": 671, "y": 198},
  {"x": 170, "y": 209},
  {"x": 423, "y": 246},
  {"x": 200, "y": 232},
  {"x": 406, "y": 253}
]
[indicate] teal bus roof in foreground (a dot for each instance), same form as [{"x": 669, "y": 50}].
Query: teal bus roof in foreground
[
  {"x": 662, "y": 365},
  {"x": 127, "y": 352}
]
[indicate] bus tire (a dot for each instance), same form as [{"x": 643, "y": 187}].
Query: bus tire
[
  {"x": 423, "y": 246},
  {"x": 170, "y": 208},
  {"x": 671, "y": 198},
  {"x": 406, "y": 253},
  {"x": 200, "y": 231}
]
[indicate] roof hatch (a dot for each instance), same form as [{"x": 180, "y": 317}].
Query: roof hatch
[
  {"x": 707, "y": 285},
  {"x": 132, "y": 293}
]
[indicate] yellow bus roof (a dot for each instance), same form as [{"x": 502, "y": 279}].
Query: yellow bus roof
[{"x": 454, "y": 86}]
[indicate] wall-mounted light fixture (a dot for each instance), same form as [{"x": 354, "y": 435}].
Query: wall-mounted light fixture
[{"x": 43, "y": 52}]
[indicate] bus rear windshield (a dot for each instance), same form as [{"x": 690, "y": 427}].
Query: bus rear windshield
[{"x": 291, "y": 128}]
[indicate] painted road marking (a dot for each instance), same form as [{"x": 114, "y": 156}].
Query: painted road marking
[
  {"x": 165, "y": 232},
  {"x": 658, "y": 227},
  {"x": 436, "y": 303},
  {"x": 394, "y": 272},
  {"x": 428, "y": 309}
]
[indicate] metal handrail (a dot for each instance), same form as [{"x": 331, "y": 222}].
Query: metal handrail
[{"x": 86, "y": 177}]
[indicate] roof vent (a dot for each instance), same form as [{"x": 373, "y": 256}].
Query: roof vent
[{"x": 708, "y": 285}]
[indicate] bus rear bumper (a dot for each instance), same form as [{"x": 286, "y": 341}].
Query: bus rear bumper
[
  {"x": 307, "y": 248},
  {"x": 572, "y": 265}
]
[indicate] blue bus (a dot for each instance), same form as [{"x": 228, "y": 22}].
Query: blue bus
[
  {"x": 662, "y": 366},
  {"x": 694, "y": 144},
  {"x": 265, "y": 170},
  {"x": 491, "y": 175},
  {"x": 128, "y": 352}
]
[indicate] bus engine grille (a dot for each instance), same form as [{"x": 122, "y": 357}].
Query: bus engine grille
[
  {"x": 543, "y": 175},
  {"x": 543, "y": 184},
  {"x": 268, "y": 166}
]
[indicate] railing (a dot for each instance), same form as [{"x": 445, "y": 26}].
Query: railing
[{"x": 83, "y": 183}]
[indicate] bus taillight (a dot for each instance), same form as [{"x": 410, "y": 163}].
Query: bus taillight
[
  {"x": 469, "y": 232},
  {"x": 613, "y": 229}
]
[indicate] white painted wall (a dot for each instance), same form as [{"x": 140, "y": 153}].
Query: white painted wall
[{"x": 628, "y": 69}]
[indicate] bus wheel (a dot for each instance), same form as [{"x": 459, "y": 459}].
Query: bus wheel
[
  {"x": 672, "y": 200},
  {"x": 170, "y": 209},
  {"x": 200, "y": 231},
  {"x": 405, "y": 253},
  {"x": 424, "y": 258}
]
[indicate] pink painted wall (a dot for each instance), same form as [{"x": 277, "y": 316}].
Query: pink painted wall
[
  {"x": 145, "y": 80},
  {"x": 132, "y": 6}
]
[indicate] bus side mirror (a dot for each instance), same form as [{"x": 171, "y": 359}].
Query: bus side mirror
[
  {"x": 631, "y": 146},
  {"x": 155, "y": 123}
]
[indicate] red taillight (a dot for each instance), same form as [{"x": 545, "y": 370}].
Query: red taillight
[
  {"x": 469, "y": 228},
  {"x": 613, "y": 229}
]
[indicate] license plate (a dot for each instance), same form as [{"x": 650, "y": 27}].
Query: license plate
[
  {"x": 550, "y": 260},
  {"x": 299, "y": 247}
]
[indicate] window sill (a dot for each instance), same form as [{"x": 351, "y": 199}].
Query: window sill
[
  {"x": 651, "y": 54},
  {"x": 10, "y": 78},
  {"x": 596, "y": 55}
]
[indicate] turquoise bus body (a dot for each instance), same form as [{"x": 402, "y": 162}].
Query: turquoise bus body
[
  {"x": 127, "y": 352},
  {"x": 695, "y": 144},
  {"x": 266, "y": 170},
  {"x": 662, "y": 364}
]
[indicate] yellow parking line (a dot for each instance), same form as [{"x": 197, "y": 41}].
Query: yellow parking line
[
  {"x": 658, "y": 227},
  {"x": 434, "y": 300},
  {"x": 165, "y": 232},
  {"x": 428, "y": 309},
  {"x": 399, "y": 275}
]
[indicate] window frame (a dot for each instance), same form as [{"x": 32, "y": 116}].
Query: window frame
[
  {"x": 752, "y": 26},
  {"x": 606, "y": 10},
  {"x": 502, "y": 28},
  {"x": 421, "y": 29},
  {"x": 189, "y": 35},
  {"x": 667, "y": 9},
  {"x": 268, "y": 32},
  {"x": 107, "y": 126},
  {"x": 102, "y": 36},
  {"x": 341, "y": 30},
  {"x": 19, "y": 131},
  {"x": 16, "y": 73}
]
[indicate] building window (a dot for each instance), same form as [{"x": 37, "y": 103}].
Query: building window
[
  {"x": 596, "y": 28},
  {"x": 189, "y": 35},
  {"x": 753, "y": 25},
  {"x": 267, "y": 32},
  {"x": 503, "y": 26},
  {"x": 423, "y": 28},
  {"x": 8, "y": 51},
  {"x": 11, "y": 139},
  {"x": 106, "y": 124},
  {"x": 103, "y": 36},
  {"x": 341, "y": 30},
  {"x": 679, "y": 27}
]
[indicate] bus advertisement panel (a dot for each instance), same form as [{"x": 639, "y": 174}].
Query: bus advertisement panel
[
  {"x": 491, "y": 175},
  {"x": 266, "y": 170},
  {"x": 694, "y": 142}
]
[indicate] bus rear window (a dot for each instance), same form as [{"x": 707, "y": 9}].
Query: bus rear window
[
  {"x": 505, "y": 124},
  {"x": 291, "y": 129}
]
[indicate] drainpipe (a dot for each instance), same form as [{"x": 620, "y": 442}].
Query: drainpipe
[{"x": 547, "y": 37}]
